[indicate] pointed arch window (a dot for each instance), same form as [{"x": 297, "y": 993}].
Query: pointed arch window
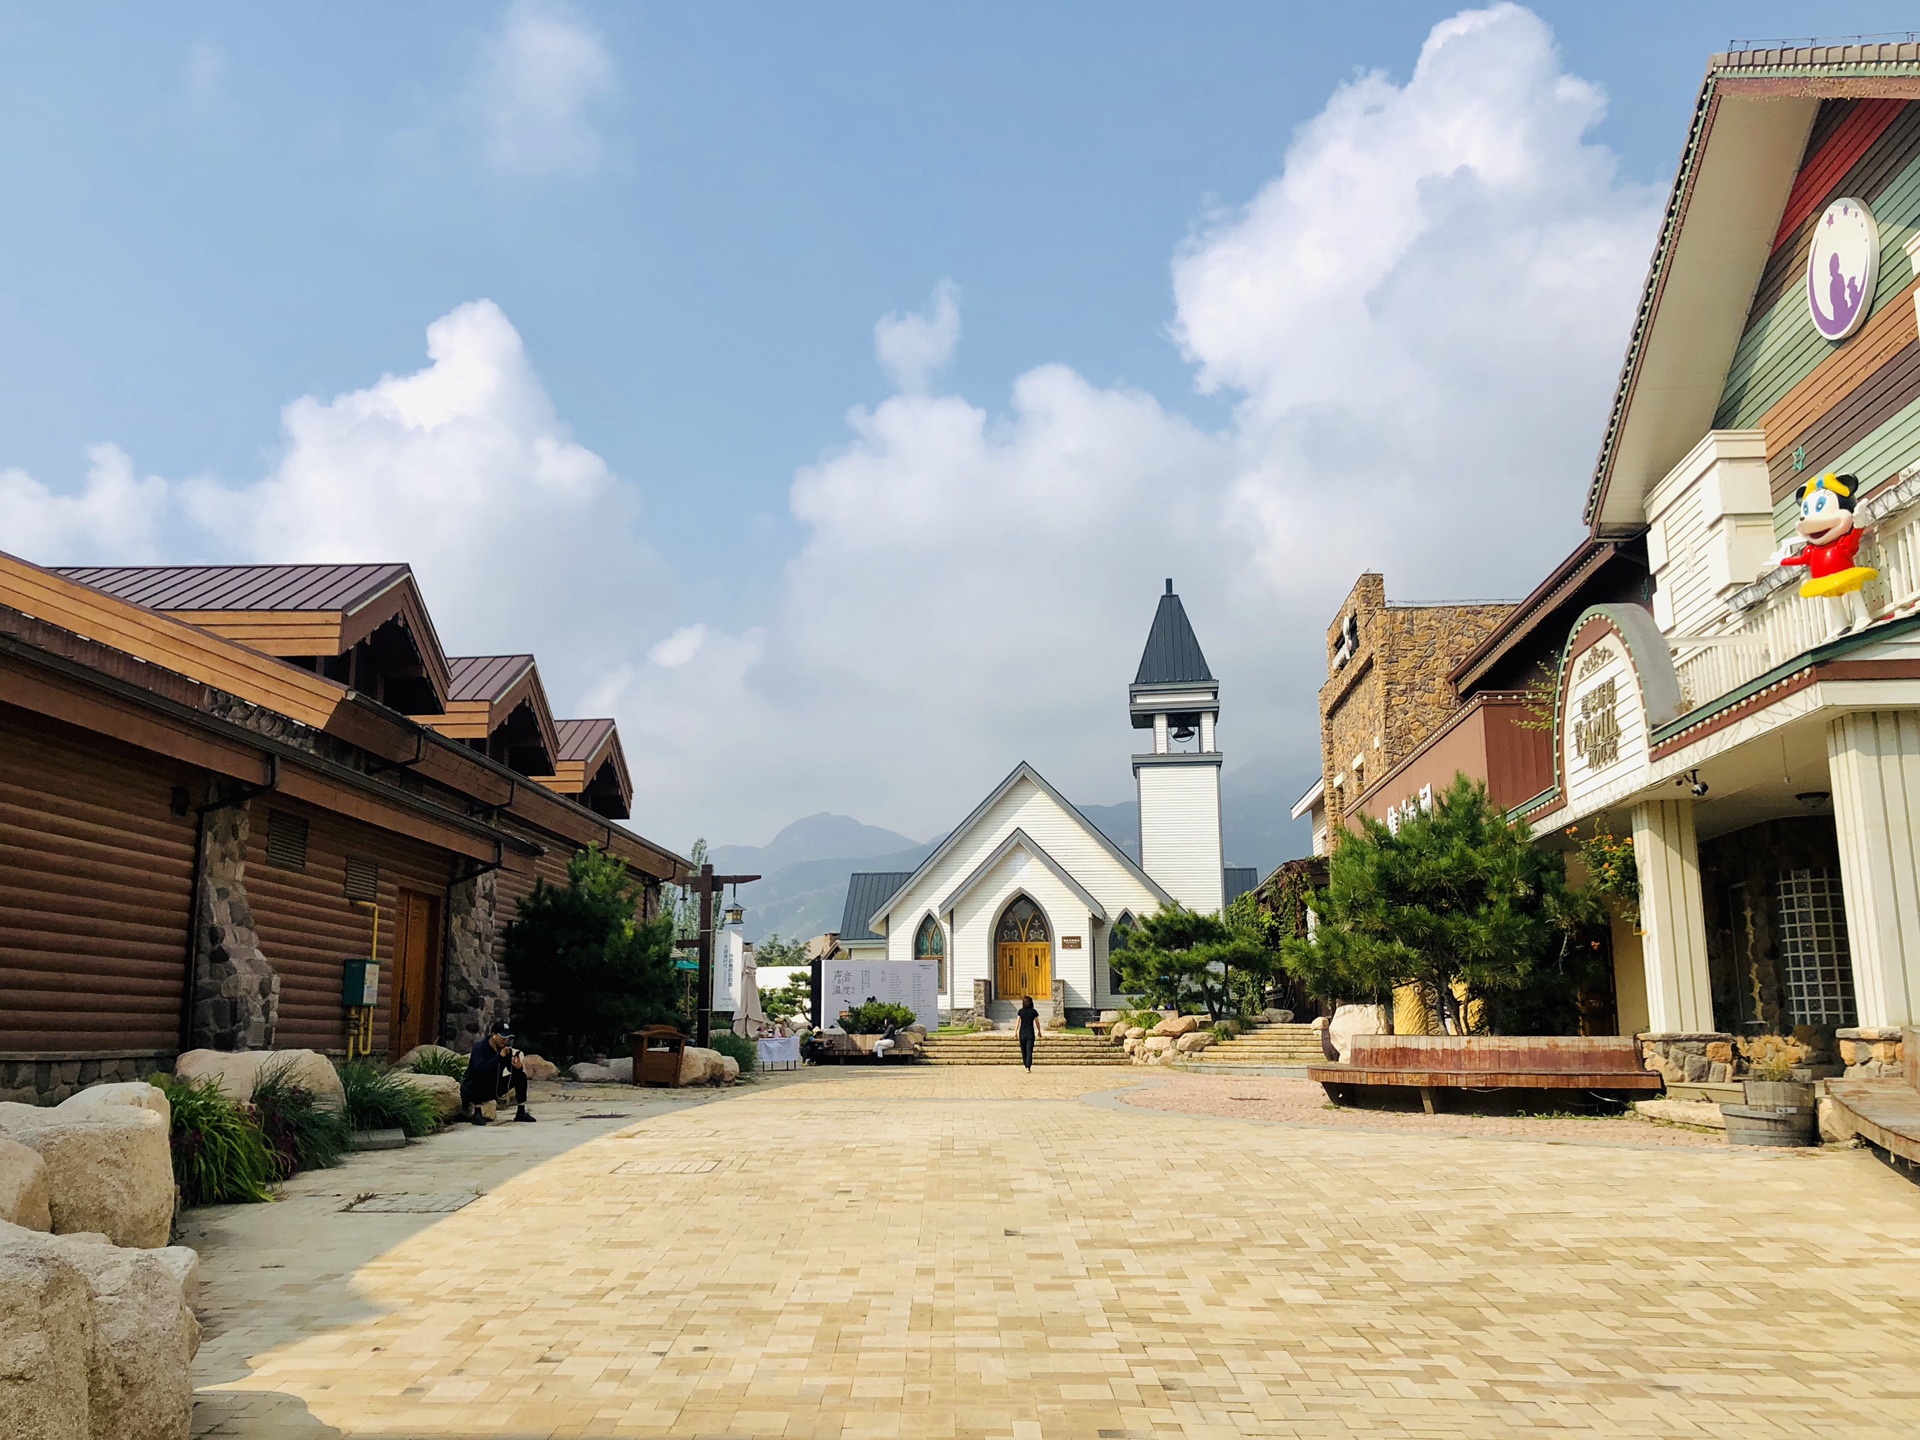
[
  {"x": 930, "y": 943},
  {"x": 1123, "y": 929}
]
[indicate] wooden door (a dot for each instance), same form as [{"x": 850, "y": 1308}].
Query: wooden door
[
  {"x": 414, "y": 1008},
  {"x": 1023, "y": 953}
]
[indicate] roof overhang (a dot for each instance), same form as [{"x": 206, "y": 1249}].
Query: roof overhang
[
  {"x": 1750, "y": 127},
  {"x": 1310, "y": 801}
]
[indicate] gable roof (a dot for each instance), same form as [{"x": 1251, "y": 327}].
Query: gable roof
[
  {"x": 866, "y": 892},
  {"x": 485, "y": 677},
  {"x": 1172, "y": 656},
  {"x": 291, "y": 611},
  {"x": 1020, "y": 840},
  {"x": 589, "y": 749},
  {"x": 1022, "y": 771},
  {"x": 1750, "y": 129},
  {"x": 484, "y": 693}
]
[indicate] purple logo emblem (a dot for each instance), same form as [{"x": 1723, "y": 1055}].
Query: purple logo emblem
[{"x": 1841, "y": 268}]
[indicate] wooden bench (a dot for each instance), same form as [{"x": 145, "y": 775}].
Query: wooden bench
[{"x": 1606, "y": 1063}]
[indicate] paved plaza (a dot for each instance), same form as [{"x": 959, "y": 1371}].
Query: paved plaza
[{"x": 987, "y": 1253}]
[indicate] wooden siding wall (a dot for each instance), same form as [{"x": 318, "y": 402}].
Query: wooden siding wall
[
  {"x": 308, "y": 928},
  {"x": 1852, "y": 407},
  {"x": 96, "y": 876}
]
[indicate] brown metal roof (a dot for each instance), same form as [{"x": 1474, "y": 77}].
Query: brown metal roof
[
  {"x": 485, "y": 677},
  {"x": 580, "y": 739},
  {"x": 345, "y": 588}
]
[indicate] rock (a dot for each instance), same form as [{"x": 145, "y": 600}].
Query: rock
[
  {"x": 136, "y": 1093},
  {"x": 729, "y": 1070},
  {"x": 108, "y": 1169},
  {"x": 1136, "y": 1032},
  {"x": 406, "y": 1061},
  {"x": 23, "y": 1189},
  {"x": 1177, "y": 1026},
  {"x": 444, "y": 1089},
  {"x": 1720, "y": 1052},
  {"x": 140, "y": 1382},
  {"x": 590, "y": 1074},
  {"x": 1133, "y": 1044},
  {"x": 538, "y": 1067},
  {"x": 1703, "y": 1113},
  {"x": 238, "y": 1071},
  {"x": 622, "y": 1068},
  {"x": 1835, "y": 1127},
  {"x": 1194, "y": 1043},
  {"x": 46, "y": 1340},
  {"x": 1276, "y": 1017},
  {"x": 1155, "y": 1044},
  {"x": 700, "y": 1066},
  {"x": 1351, "y": 1020}
]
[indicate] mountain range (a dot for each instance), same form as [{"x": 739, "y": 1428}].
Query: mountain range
[{"x": 803, "y": 886}]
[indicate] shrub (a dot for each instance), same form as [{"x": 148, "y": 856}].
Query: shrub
[
  {"x": 379, "y": 1100},
  {"x": 440, "y": 1062},
  {"x": 585, "y": 971},
  {"x": 874, "y": 1017},
  {"x": 219, "y": 1155},
  {"x": 738, "y": 1046},
  {"x": 302, "y": 1133}
]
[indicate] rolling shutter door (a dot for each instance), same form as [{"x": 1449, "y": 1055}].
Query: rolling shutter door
[{"x": 96, "y": 875}]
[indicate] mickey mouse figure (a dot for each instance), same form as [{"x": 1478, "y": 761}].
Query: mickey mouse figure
[{"x": 1827, "y": 544}]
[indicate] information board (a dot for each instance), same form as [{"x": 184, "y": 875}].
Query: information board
[{"x": 913, "y": 983}]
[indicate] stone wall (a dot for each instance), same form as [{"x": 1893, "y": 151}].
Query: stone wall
[
  {"x": 1717, "y": 1058},
  {"x": 1871, "y": 1053},
  {"x": 475, "y": 993},
  {"x": 236, "y": 992},
  {"x": 49, "y": 1079},
  {"x": 1393, "y": 691}
]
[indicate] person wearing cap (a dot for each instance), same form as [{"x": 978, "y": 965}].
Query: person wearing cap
[{"x": 493, "y": 1069}]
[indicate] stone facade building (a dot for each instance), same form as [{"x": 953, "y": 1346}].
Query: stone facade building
[{"x": 1389, "y": 685}]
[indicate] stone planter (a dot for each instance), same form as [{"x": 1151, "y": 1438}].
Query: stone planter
[{"x": 1776, "y": 1112}]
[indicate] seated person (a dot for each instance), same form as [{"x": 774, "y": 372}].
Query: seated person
[
  {"x": 492, "y": 1070},
  {"x": 886, "y": 1041}
]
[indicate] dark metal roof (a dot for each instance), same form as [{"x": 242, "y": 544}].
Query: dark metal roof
[
  {"x": 241, "y": 587},
  {"x": 485, "y": 677},
  {"x": 1239, "y": 880},
  {"x": 580, "y": 738},
  {"x": 867, "y": 891},
  {"x": 1172, "y": 656}
]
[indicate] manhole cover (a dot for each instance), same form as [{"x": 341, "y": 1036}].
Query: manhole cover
[
  {"x": 665, "y": 1167},
  {"x": 444, "y": 1203}
]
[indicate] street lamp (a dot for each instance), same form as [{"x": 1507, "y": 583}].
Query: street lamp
[{"x": 735, "y": 913}]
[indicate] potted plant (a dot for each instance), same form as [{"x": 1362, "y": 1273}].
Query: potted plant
[{"x": 1779, "y": 1110}]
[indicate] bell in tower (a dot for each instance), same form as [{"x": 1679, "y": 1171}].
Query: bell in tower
[{"x": 1175, "y": 696}]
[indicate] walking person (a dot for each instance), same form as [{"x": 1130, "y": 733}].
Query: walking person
[{"x": 1029, "y": 1030}]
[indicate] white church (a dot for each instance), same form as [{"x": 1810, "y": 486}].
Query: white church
[{"x": 1026, "y": 894}]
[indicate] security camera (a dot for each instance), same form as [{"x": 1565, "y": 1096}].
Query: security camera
[
  {"x": 1699, "y": 788},
  {"x": 1693, "y": 782}
]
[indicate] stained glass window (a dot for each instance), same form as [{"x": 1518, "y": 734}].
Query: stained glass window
[{"x": 1020, "y": 921}]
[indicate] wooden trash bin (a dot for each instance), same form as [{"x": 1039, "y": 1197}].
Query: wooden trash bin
[{"x": 656, "y": 1055}]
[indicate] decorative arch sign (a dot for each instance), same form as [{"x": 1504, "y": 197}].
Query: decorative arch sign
[
  {"x": 1617, "y": 686},
  {"x": 1842, "y": 265}
]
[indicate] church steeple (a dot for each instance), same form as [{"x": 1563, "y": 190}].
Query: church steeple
[{"x": 1175, "y": 695}]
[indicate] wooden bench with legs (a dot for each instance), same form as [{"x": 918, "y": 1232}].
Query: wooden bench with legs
[{"x": 1603, "y": 1063}]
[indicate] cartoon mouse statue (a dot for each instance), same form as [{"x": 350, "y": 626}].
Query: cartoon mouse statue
[{"x": 1826, "y": 545}]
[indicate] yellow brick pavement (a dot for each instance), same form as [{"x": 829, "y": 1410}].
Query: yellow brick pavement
[{"x": 985, "y": 1253}]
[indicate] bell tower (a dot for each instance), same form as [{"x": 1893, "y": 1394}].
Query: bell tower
[{"x": 1176, "y": 697}]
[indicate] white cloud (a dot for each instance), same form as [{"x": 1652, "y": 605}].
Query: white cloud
[
  {"x": 1420, "y": 317},
  {"x": 542, "y": 80},
  {"x": 913, "y": 348},
  {"x": 679, "y": 647},
  {"x": 115, "y": 517}
]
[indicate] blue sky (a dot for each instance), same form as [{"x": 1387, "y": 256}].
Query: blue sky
[{"x": 692, "y": 217}]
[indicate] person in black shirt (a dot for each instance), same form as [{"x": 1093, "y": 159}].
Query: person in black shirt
[
  {"x": 492, "y": 1070},
  {"x": 1029, "y": 1017}
]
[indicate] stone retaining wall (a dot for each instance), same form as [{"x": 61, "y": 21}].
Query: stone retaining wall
[
  {"x": 47, "y": 1080},
  {"x": 1871, "y": 1052}
]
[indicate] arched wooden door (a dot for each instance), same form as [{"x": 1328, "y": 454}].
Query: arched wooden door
[{"x": 1023, "y": 961}]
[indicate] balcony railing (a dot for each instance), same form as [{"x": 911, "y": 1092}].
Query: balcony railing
[{"x": 1768, "y": 622}]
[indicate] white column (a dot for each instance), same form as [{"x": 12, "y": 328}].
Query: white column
[
  {"x": 1873, "y": 764},
  {"x": 1159, "y": 734},
  {"x": 1206, "y": 731},
  {"x": 1666, "y": 852}
]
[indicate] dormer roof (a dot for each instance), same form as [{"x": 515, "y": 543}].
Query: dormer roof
[
  {"x": 591, "y": 766},
  {"x": 497, "y": 703},
  {"x": 1172, "y": 656}
]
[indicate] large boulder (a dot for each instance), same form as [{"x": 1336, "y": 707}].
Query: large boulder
[
  {"x": 137, "y": 1093},
  {"x": 1351, "y": 1020},
  {"x": 109, "y": 1169},
  {"x": 1177, "y": 1025},
  {"x": 538, "y": 1067},
  {"x": 729, "y": 1070},
  {"x": 23, "y": 1187},
  {"x": 140, "y": 1381},
  {"x": 1193, "y": 1042},
  {"x": 237, "y": 1071},
  {"x": 46, "y": 1340},
  {"x": 405, "y": 1062},
  {"x": 444, "y": 1089},
  {"x": 700, "y": 1066},
  {"x": 1156, "y": 1044},
  {"x": 590, "y": 1074},
  {"x": 1136, "y": 1032}
]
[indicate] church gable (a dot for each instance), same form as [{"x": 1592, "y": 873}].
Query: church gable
[{"x": 1026, "y": 803}]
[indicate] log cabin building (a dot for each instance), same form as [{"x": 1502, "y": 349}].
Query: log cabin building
[{"x": 219, "y": 784}]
